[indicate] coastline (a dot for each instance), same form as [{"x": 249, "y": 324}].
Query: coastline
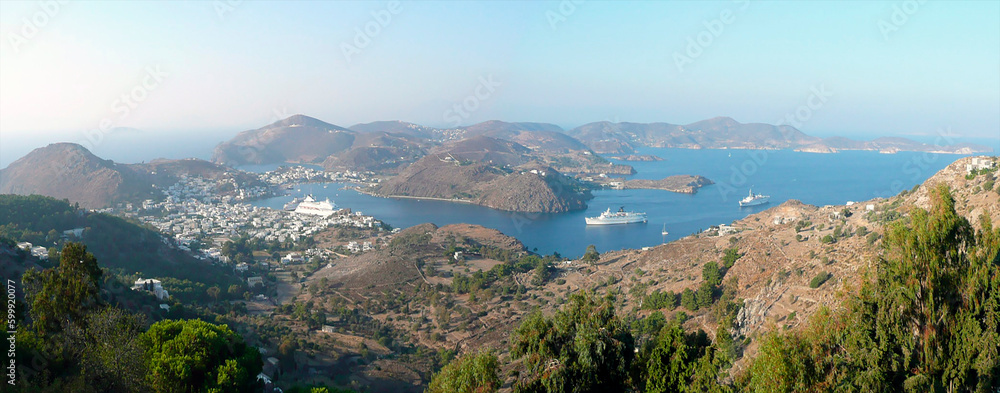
[{"x": 362, "y": 191}]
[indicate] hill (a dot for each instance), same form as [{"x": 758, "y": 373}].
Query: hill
[
  {"x": 377, "y": 147},
  {"x": 395, "y": 127},
  {"x": 530, "y": 187},
  {"x": 299, "y": 139},
  {"x": 686, "y": 184},
  {"x": 70, "y": 171},
  {"x": 726, "y": 133},
  {"x": 124, "y": 247}
]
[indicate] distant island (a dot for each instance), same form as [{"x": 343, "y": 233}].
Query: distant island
[
  {"x": 637, "y": 157},
  {"x": 726, "y": 133},
  {"x": 686, "y": 184}
]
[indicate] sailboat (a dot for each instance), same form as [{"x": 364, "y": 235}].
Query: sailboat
[{"x": 664, "y": 232}]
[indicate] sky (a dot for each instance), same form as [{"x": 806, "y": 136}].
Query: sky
[{"x": 74, "y": 70}]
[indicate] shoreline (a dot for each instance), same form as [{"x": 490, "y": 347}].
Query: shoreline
[{"x": 466, "y": 201}]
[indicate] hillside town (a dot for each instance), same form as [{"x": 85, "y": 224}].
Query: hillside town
[{"x": 192, "y": 213}]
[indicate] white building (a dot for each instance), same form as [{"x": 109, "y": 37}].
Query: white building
[
  {"x": 353, "y": 247},
  {"x": 293, "y": 257},
  {"x": 76, "y": 232},
  {"x": 242, "y": 267},
  {"x": 151, "y": 285},
  {"x": 256, "y": 280},
  {"x": 979, "y": 163}
]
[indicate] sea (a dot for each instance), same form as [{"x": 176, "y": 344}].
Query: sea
[{"x": 816, "y": 179}]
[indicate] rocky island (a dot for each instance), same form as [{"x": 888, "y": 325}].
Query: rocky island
[
  {"x": 686, "y": 184},
  {"x": 488, "y": 172},
  {"x": 637, "y": 157}
]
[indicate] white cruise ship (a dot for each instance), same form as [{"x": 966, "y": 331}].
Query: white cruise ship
[
  {"x": 754, "y": 200},
  {"x": 317, "y": 208},
  {"x": 619, "y": 217}
]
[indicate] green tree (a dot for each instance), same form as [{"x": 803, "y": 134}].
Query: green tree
[
  {"x": 472, "y": 373},
  {"x": 667, "y": 367},
  {"x": 730, "y": 257},
  {"x": 688, "y": 300},
  {"x": 680, "y": 362},
  {"x": 111, "y": 353},
  {"x": 703, "y": 297},
  {"x": 711, "y": 274},
  {"x": 197, "y": 356},
  {"x": 213, "y": 292},
  {"x": 584, "y": 347},
  {"x": 928, "y": 319},
  {"x": 591, "y": 255},
  {"x": 782, "y": 365},
  {"x": 65, "y": 293}
]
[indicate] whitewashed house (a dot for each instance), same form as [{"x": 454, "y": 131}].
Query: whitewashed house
[{"x": 151, "y": 285}]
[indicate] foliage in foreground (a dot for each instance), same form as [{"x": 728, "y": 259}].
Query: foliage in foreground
[
  {"x": 928, "y": 322},
  {"x": 75, "y": 340},
  {"x": 472, "y": 373}
]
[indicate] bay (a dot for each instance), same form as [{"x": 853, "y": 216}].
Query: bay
[{"x": 817, "y": 179}]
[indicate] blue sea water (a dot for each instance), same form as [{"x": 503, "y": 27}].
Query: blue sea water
[{"x": 817, "y": 179}]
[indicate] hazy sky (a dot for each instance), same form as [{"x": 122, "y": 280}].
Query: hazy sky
[{"x": 880, "y": 68}]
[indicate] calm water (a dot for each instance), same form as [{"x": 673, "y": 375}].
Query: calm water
[{"x": 818, "y": 179}]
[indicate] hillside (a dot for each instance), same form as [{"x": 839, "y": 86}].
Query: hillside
[
  {"x": 726, "y": 133},
  {"x": 395, "y": 127},
  {"x": 775, "y": 269},
  {"x": 70, "y": 171},
  {"x": 383, "y": 147},
  {"x": 124, "y": 247},
  {"x": 530, "y": 187},
  {"x": 299, "y": 138}
]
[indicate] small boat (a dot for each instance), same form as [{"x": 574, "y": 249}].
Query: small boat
[{"x": 664, "y": 231}]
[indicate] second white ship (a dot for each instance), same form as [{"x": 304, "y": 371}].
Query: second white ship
[
  {"x": 619, "y": 217},
  {"x": 754, "y": 200}
]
